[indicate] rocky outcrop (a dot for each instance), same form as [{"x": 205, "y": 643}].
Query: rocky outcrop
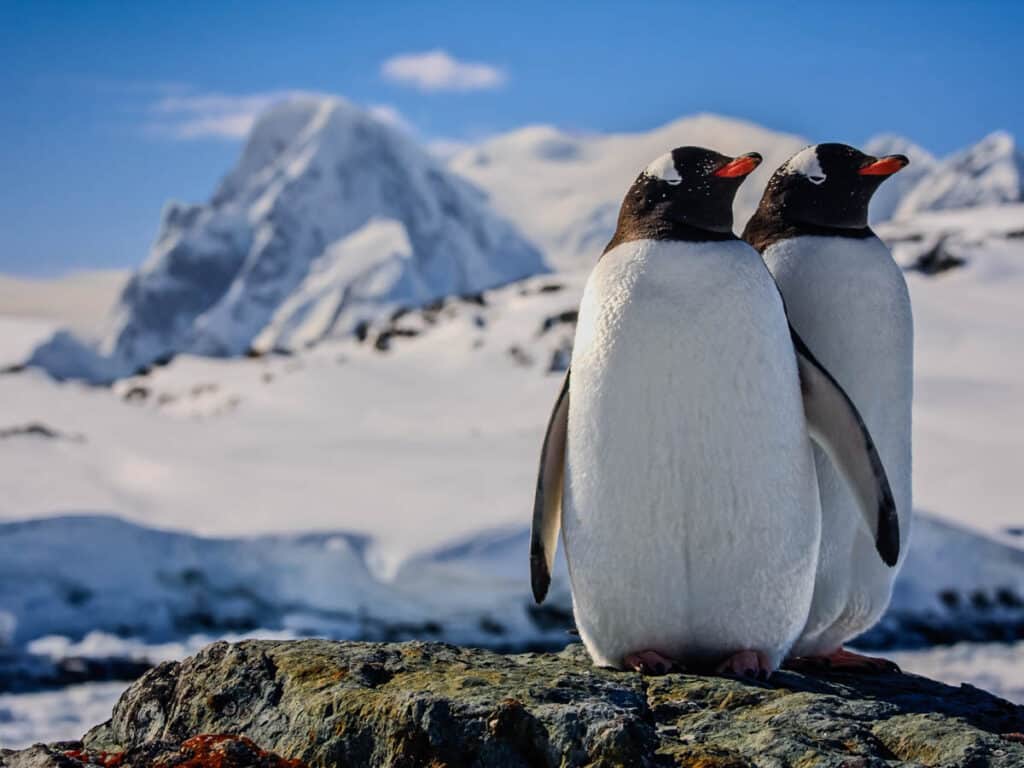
[{"x": 324, "y": 703}]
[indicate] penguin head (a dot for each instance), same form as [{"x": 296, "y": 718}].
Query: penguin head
[
  {"x": 690, "y": 187},
  {"x": 828, "y": 185}
]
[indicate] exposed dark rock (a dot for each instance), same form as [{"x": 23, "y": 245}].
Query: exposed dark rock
[
  {"x": 136, "y": 394},
  {"x": 383, "y": 343},
  {"x": 938, "y": 258},
  {"x": 22, "y": 672},
  {"x": 520, "y": 356},
  {"x": 38, "y": 429},
  {"x": 429, "y": 704},
  {"x": 474, "y": 298},
  {"x": 561, "y": 356},
  {"x": 569, "y": 317}
]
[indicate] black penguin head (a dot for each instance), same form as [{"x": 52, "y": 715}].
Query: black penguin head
[
  {"x": 685, "y": 194},
  {"x": 828, "y": 185}
]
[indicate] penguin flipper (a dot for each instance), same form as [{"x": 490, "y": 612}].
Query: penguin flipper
[
  {"x": 547, "y": 503},
  {"x": 835, "y": 424}
]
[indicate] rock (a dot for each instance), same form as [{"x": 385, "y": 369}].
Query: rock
[
  {"x": 207, "y": 751},
  {"x": 326, "y": 703}
]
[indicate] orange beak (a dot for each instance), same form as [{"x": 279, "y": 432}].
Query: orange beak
[
  {"x": 741, "y": 166},
  {"x": 885, "y": 166}
]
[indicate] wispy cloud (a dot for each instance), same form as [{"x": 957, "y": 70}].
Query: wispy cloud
[
  {"x": 439, "y": 71},
  {"x": 197, "y": 115}
]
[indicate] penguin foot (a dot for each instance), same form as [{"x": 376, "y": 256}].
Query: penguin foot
[
  {"x": 752, "y": 664},
  {"x": 842, "y": 660},
  {"x": 649, "y": 663}
]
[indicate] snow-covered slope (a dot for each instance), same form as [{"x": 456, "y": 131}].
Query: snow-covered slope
[
  {"x": 564, "y": 190},
  {"x": 989, "y": 173},
  {"x": 329, "y": 216},
  {"x": 421, "y": 441}
]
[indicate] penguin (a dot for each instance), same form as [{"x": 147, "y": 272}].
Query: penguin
[
  {"x": 676, "y": 461},
  {"x": 848, "y": 300}
]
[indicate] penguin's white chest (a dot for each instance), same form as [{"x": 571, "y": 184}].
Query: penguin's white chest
[
  {"x": 691, "y": 520},
  {"x": 848, "y": 300}
]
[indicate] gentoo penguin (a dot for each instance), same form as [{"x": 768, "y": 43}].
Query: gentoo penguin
[
  {"x": 848, "y": 300},
  {"x": 676, "y": 460}
]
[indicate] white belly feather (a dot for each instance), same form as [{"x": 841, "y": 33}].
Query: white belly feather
[
  {"x": 691, "y": 522},
  {"x": 848, "y": 300}
]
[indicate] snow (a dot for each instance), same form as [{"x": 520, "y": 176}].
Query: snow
[
  {"x": 564, "y": 190},
  {"x": 969, "y": 366},
  {"x": 372, "y": 265},
  {"x": 315, "y": 172},
  {"x": 989, "y": 173},
  {"x": 996, "y": 667},
  {"x": 47, "y": 716},
  {"x": 20, "y": 335}
]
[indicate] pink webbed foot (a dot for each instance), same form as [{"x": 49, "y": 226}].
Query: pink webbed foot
[
  {"x": 842, "y": 660},
  {"x": 753, "y": 664},
  {"x": 649, "y": 663}
]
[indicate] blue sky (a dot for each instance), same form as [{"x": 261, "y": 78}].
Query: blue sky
[{"x": 109, "y": 109}]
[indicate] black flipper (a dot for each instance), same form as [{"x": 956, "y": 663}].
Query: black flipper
[
  {"x": 835, "y": 424},
  {"x": 547, "y": 503}
]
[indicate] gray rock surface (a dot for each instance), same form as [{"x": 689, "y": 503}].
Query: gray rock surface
[{"x": 428, "y": 704}]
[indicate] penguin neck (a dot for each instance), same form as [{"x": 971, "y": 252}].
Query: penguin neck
[
  {"x": 664, "y": 229},
  {"x": 767, "y": 227}
]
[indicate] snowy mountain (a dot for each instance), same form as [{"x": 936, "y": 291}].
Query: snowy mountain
[
  {"x": 564, "y": 190},
  {"x": 330, "y": 217},
  {"x": 989, "y": 173},
  {"x": 333, "y": 219}
]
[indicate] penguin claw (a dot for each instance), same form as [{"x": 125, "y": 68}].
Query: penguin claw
[
  {"x": 752, "y": 664},
  {"x": 649, "y": 663},
  {"x": 842, "y": 660}
]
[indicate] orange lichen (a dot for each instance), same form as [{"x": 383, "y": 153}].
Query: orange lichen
[
  {"x": 225, "y": 751},
  {"x": 106, "y": 759}
]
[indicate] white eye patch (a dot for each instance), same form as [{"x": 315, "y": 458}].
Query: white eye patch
[
  {"x": 805, "y": 162},
  {"x": 665, "y": 169}
]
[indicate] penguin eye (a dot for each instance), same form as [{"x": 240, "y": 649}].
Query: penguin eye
[{"x": 816, "y": 179}]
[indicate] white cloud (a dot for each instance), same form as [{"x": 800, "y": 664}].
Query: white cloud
[
  {"x": 211, "y": 115},
  {"x": 438, "y": 71}
]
